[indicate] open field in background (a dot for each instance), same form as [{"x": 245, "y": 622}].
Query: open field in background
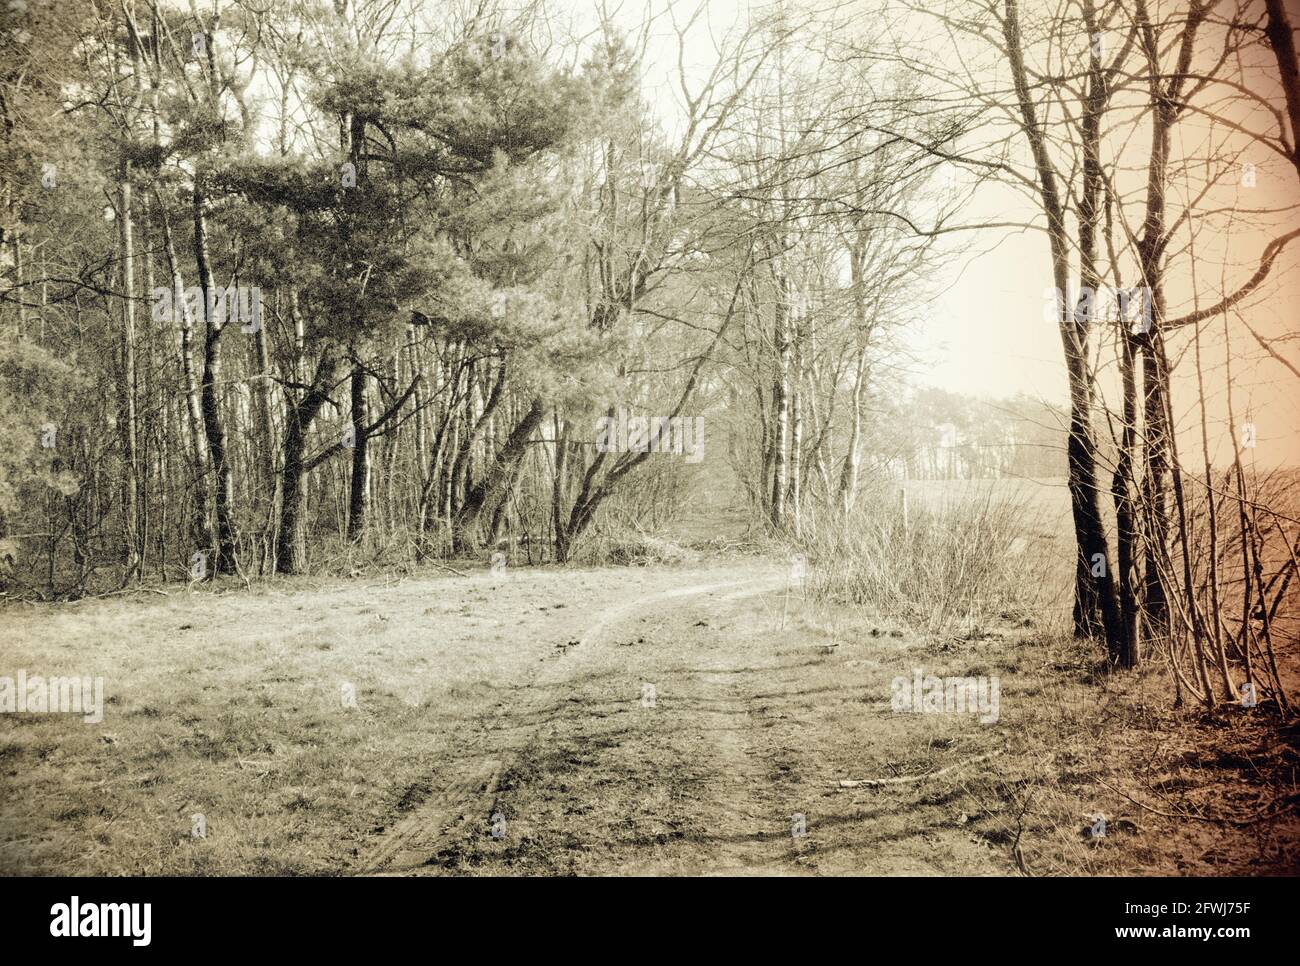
[
  {"x": 943, "y": 554},
  {"x": 502, "y": 725}
]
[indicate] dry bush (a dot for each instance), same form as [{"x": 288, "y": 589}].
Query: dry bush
[
  {"x": 635, "y": 549},
  {"x": 1234, "y": 598},
  {"x": 989, "y": 552},
  {"x": 1272, "y": 505}
]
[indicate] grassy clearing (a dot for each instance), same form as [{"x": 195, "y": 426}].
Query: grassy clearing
[{"x": 228, "y": 703}]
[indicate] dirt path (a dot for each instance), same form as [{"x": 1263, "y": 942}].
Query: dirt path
[
  {"x": 756, "y": 710},
  {"x": 753, "y": 836},
  {"x": 465, "y": 795},
  {"x": 695, "y": 729}
]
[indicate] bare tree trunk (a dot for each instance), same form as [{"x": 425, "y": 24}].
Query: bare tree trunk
[
  {"x": 1122, "y": 484},
  {"x": 781, "y": 405},
  {"x": 213, "y": 422},
  {"x": 559, "y": 482},
  {"x": 1091, "y": 603},
  {"x": 193, "y": 408},
  {"x": 796, "y": 429},
  {"x": 359, "y": 483},
  {"x": 852, "y": 454},
  {"x": 1155, "y": 603},
  {"x": 1281, "y": 37},
  {"x": 289, "y": 549},
  {"x": 1165, "y": 105},
  {"x": 849, "y": 474},
  {"x": 130, "y": 481},
  {"x": 1094, "y": 590}
]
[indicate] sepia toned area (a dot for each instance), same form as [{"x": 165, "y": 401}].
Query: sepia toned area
[{"x": 683, "y": 438}]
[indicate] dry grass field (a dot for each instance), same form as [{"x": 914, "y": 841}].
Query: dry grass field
[{"x": 697, "y": 719}]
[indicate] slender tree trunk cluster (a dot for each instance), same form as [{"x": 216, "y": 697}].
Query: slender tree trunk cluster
[{"x": 1166, "y": 598}]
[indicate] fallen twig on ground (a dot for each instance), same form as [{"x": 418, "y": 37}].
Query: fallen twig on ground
[{"x": 904, "y": 779}]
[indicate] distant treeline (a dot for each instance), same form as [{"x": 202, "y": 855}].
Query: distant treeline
[{"x": 950, "y": 436}]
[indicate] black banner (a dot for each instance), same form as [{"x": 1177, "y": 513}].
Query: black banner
[{"x": 335, "y": 916}]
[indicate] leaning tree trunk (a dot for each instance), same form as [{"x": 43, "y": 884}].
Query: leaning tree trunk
[
  {"x": 461, "y": 465},
  {"x": 489, "y": 489}
]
